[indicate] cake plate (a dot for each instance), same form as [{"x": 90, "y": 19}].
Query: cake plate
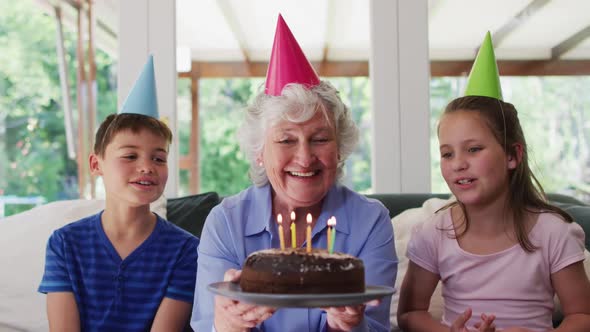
[{"x": 233, "y": 291}]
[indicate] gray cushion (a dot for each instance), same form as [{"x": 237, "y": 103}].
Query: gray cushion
[{"x": 190, "y": 212}]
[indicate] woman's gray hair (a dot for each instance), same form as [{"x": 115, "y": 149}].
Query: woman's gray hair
[{"x": 296, "y": 104}]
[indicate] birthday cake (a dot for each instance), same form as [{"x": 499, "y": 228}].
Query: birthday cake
[{"x": 295, "y": 271}]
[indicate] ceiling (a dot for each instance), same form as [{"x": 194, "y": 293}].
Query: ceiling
[
  {"x": 225, "y": 30},
  {"x": 338, "y": 30}
]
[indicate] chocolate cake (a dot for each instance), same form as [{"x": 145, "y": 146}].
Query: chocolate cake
[{"x": 295, "y": 271}]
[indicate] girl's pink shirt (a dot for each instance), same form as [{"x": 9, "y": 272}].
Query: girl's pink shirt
[{"x": 512, "y": 284}]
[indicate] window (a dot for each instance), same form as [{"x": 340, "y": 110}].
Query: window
[
  {"x": 222, "y": 166},
  {"x": 554, "y": 112},
  {"x": 35, "y": 167}
]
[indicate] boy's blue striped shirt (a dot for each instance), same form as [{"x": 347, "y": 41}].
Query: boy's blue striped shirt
[{"x": 114, "y": 294}]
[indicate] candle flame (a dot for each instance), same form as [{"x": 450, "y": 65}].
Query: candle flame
[
  {"x": 309, "y": 218},
  {"x": 279, "y": 218},
  {"x": 332, "y": 221},
  {"x": 292, "y": 215}
]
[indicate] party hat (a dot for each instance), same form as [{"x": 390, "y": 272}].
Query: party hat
[
  {"x": 143, "y": 99},
  {"x": 484, "y": 79},
  {"x": 287, "y": 63}
]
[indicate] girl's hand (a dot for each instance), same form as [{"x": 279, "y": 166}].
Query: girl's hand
[
  {"x": 459, "y": 323},
  {"x": 235, "y": 316},
  {"x": 346, "y": 318},
  {"x": 486, "y": 324}
]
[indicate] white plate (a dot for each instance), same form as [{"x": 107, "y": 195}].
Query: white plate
[{"x": 233, "y": 291}]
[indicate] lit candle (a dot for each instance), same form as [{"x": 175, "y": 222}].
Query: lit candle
[
  {"x": 281, "y": 235},
  {"x": 293, "y": 233},
  {"x": 329, "y": 237},
  {"x": 331, "y": 225},
  {"x": 308, "y": 237}
]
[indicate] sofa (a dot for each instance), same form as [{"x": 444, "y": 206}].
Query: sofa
[
  {"x": 190, "y": 212},
  {"x": 23, "y": 238},
  {"x": 405, "y": 210}
]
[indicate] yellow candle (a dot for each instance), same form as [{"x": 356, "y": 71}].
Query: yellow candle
[
  {"x": 281, "y": 235},
  {"x": 293, "y": 231},
  {"x": 308, "y": 237}
]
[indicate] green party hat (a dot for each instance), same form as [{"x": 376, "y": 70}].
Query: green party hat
[{"x": 484, "y": 79}]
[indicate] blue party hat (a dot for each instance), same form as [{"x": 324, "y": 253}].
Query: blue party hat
[{"x": 143, "y": 99}]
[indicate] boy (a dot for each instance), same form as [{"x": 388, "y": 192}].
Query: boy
[{"x": 125, "y": 268}]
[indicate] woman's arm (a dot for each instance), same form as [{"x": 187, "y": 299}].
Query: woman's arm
[
  {"x": 215, "y": 257},
  {"x": 380, "y": 261},
  {"x": 414, "y": 300},
  {"x": 235, "y": 316},
  {"x": 218, "y": 261},
  {"x": 573, "y": 289},
  {"x": 172, "y": 315},
  {"x": 62, "y": 312}
]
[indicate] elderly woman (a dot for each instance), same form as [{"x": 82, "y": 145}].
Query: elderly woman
[{"x": 296, "y": 139}]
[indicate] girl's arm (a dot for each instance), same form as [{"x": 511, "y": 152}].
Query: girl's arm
[
  {"x": 573, "y": 289},
  {"x": 62, "y": 312},
  {"x": 172, "y": 315},
  {"x": 414, "y": 300}
]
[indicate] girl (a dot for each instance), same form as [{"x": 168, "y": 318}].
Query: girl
[{"x": 501, "y": 251}]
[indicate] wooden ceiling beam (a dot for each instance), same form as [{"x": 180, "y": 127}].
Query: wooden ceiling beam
[
  {"x": 516, "y": 68},
  {"x": 361, "y": 68},
  {"x": 258, "y": 69},
  {"x": 328, "y": 34},
  {"x": 519, "y": 19},
  {"x": 571, "y": 42},
  {"x": 234, "y": 26},
  {"x": 450, "y": 68}
]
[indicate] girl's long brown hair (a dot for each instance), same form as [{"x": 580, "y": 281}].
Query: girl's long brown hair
[{"x": 525, "y": 193}]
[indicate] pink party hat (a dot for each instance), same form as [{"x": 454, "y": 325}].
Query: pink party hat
[{"x": 287, "y": 63}]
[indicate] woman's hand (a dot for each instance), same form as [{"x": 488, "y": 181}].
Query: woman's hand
[
  {"x": 231, "y": 315},
  {"x": 346, "y": 318},
  {"x": 486, "y": 324}
]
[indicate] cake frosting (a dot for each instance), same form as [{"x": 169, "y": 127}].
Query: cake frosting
[{"x": 295, "y": 271}]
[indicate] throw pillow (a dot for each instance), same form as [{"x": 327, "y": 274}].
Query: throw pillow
[
  {"x": 24, "y": 237},
  {"x": 403, "y": 224},
  {"x": 190, "y": 212}
]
